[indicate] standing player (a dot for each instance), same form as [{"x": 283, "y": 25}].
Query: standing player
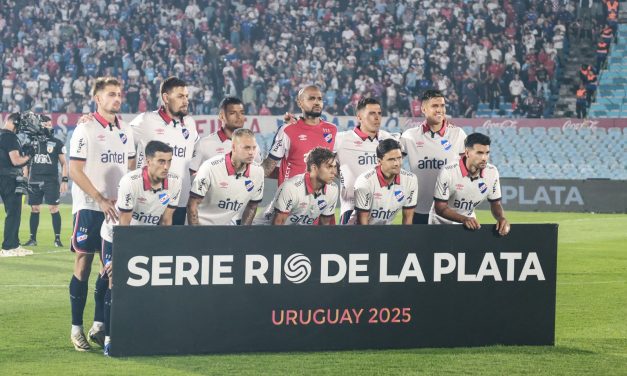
[
  {"x": 381, "y": 192},
  {"x": 229, "y": 186},
  {"x": 303, "y": 199},
  {"x": 293, "y": 141},
  {"x": 429, "y": 147},
  {"x": 466, "y": 183},
  {"x": 232, "y": 116},
  {"x": 101, "y": 152},
  {"x": 146, "y": 196},
  {"x": 172, "y": 125},
  {"x": 43, "y": 173},
  {"x": 357, "y": 151}
]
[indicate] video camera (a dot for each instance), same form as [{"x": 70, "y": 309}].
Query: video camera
[{"x": 29, "y": 126}]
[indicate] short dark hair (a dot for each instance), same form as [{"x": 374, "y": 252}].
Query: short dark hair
[
  {"x": 431, "y": 93},
  {"x": 170, "y": 83},
  {"x": 227, "y": 101},
  {"x": 363, "y": 102},
  {"x": 476, "y": 138},
  {"x": 386, "y": 146},
  {"x": 317, "y": 156},
  {"x": 13, "y": 117},
  {"x": 157, "y": 146},
  {"x": 102, "y": 82}
]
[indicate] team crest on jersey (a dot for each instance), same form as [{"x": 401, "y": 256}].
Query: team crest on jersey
[
  {"x": 123, "y": 138},
  {"x": 446, "y": 144},
  {"x": 249, "y": 185},
  {"x": 185, "y": 132},
  {"x": 322, "y": 204},
  {"x": 164, "y": 198},
  {"x": 399, "y": 195},
  {"x": 328, "y": 137},
  {"x": 50, "y": 147},
  {"x": 482, "y": 187}
]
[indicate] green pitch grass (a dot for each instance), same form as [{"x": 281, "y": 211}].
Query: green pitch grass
[{"x": 591, "y": 328}]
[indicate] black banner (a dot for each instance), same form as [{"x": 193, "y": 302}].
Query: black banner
[{"x": 190, "y": 290}]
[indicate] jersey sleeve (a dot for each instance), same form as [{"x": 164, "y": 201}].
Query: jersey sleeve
[
  {"x": 494, "y": 194},
  {"x": 138, "y": 134},
  {"x": 130, "y": 143},
  {"x": 126, "y": 195},
  {"x": 10, "y": 142},
  {"x": 461, "y": 141},
  {"x": 412, "y": 192},
  {"x": 197, "y": 157},
  {"x": 363, "y": 194},
  {"x": 202, "y": 182},
  {"x": 330, "y": 209},
  {"x": 403, "y": 141},
  {"x": 258, "y": 194},
  {"x": 79, "y": 144},
  {"x": 60, "y": 147},
  {"x": 280, "y": 144},
  {"x": 286, "y": 199},
  {"x": 442, "y": 191}
]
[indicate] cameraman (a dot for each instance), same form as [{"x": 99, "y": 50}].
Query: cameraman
[
  {"x": 43, "y": 173},
  {"x": 11, "y": 162}
]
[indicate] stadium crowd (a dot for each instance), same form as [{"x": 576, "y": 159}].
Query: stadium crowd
[{"x": 263, "y": 51}]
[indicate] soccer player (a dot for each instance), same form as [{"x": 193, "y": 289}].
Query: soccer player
[
  {"x": 43, "y": 173},
  {"x": 147, "y": 197},
  {"x": 384, "y": 190},
  {"x": 172, "y": 125},
  {"x": 294, "y": 140},
  {"x": 101, "y": 152},
  {"x": 357, "y": 151},
  {"x": 429, "y": 147},
  {"x": 229, "y": 186},
  {"x": 304, "y": 198},
  {"x": 466, "y": 183},
  {"x": 232, "y": 116}
]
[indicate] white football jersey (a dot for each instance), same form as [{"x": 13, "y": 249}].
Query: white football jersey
[
  {"x": 356, "y": 153},
  {"x": 214, "y": 144},
  {"x": 462, "y": 192},
  {"x": 135, "y": 194},
  {"x": 180, "y": 134},
  {"x": 297, "y": 198},
  {"x": 428, "y": 153},
  {"x": 383, "y": 200},
  {"x": 105, "y": 148},
  {"x": 225, "y": 193}
]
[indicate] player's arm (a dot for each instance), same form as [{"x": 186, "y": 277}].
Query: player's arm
[
  {"x": 249, "y": 213},
  {"x": 326, "y": 220},
  {"x": 269, "y": 167},
  {"x": 132, "y": 163},
  {"x": 502, "y": 226},
  {"x": 192, "y": 209},
  {"x": 363, "y": 200},
  {"x": 64, "y": 173},
  {"x": 408, "y": 216},
  {"x": 362, "y": 216},
  {"x": 78, "y": 177},
  {"x": 279, "y": 217},
  {"x": 18, "y": 160},
  {"x": 442, "y": 209},
  {"x": 125, "y": 218},
  {"x": 166, "y": 217}
]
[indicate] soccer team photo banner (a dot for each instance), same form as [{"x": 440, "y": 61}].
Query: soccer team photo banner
[{"x": 219, "y": 289}]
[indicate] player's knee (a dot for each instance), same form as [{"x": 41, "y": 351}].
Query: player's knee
[
  {"x": 82, "y": 266},
  {"x": 36, "y": 208},
  {"x": 53, "y": 209}
]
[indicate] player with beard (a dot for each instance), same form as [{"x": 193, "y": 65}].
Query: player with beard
[
  {"x": 293, "y": 141},
  {"x": 466, "y": 183},
  {"x": 233, "y": 117},
  {"x": 172, "y": 125}
]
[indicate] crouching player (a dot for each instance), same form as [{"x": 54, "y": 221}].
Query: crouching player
[
  {"x": 303, "y": 199},
  {"x": 466, "y": 183},
  {"x": 381, "y": 192},
  {"x": 146, "y": 196}
]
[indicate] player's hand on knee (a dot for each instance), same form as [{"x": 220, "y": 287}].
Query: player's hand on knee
[
  {"x": 471, "y": 223},
  {"x": 85, "y": 118}
]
